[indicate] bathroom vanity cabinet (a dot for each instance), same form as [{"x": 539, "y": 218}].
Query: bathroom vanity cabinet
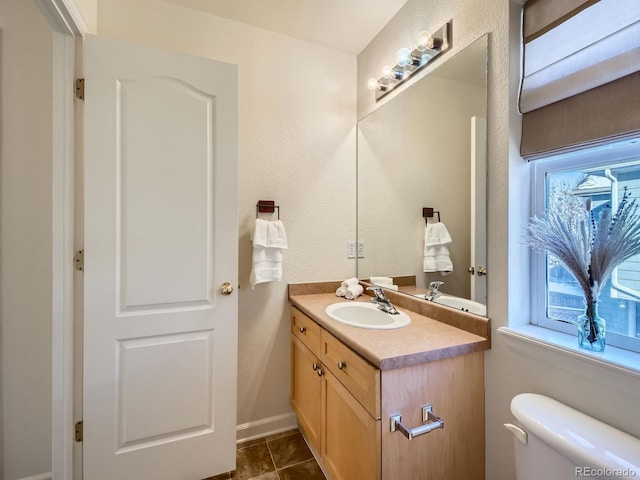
[
  {"x": 342, "y": 425},
  {"x": 345, "y": 400}
]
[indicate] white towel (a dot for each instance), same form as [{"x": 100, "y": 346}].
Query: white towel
[
  {"x": 386, "y": 282},
  {"x": 269, "y": 240},
  {"x": 341, "y": 292},
  {"x": 353, "y": 292},
  {"x": 438, "y": 260},
  {"x": 436, "y": 234},
  {"x": 436, "y": 251},
  {"x": 350, "y": 282},
  {"x": 269, "y": 233}
]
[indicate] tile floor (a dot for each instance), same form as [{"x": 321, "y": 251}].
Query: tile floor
[{"x": 284, "y": 456}]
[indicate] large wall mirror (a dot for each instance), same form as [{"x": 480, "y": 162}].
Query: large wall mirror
[{"x": 426, "y": 148}]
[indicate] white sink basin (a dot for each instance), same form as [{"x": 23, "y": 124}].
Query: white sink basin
[
  {"x": 463, "y": 304},
  {"x": 366, "y": 315}
]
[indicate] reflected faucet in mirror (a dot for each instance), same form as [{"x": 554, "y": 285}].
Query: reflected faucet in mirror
[{"x": 434, "y": 290}]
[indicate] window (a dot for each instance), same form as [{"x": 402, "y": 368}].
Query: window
[{"x": 599, "y": 176}]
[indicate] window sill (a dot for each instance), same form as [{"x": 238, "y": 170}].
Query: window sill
[{"x": 560, "y": 350}]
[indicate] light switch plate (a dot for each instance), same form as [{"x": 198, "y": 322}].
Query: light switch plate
[{"x": 351, "y": 249}]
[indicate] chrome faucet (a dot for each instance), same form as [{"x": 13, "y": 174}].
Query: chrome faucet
[
  {"x": 382, "y": 302},
  {"x": 434, "y": 290}
]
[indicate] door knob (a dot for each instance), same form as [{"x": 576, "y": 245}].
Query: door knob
[
  {"x": 226, "y": 288},
  {"x": 471, "y": 270}
]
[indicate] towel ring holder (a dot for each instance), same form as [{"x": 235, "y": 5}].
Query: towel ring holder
[
  {"x": 428, "y": 212},
  {"x": 267, "y": 206}
]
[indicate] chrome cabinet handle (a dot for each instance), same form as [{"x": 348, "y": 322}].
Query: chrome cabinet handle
[
  {"x": 302, "y": 329},
  {"x": 342, "y": 365},
  {"x": 471, "y": 270},
  {"x": 315, "y": 366},
  {"x": 410, "y": 433},
  {"x": 320, "y": 372}
]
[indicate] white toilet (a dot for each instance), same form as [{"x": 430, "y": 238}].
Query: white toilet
[{"x": 556, "y": 442}]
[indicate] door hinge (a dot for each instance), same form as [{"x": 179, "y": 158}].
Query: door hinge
[
  {"x": 79, "y": 431},
  {"x": 80, "y": 88},
  {"x": 78, "y": 261}
]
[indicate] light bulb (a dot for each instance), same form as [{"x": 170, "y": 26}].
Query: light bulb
[
  {"x": 403, "y": 57},
  {"x": 424, "y": 59},
  {"x": 392, "y": 73},
  {"x": 424, "y": 41},
  {"x": 373, "y": 84}
]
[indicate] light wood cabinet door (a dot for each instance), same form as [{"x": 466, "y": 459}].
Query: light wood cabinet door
[
  {"x": 455, "y": 388},
  {"x": 306, "y": 390},
  {"x": 350, "y": 436}
]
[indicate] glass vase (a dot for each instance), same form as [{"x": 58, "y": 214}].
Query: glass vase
[{"x": 591, "y": 329}]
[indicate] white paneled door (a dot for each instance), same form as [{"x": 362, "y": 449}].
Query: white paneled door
[{"x": 161, "y": 237}]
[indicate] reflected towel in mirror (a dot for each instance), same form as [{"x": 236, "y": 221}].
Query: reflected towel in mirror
[{"x": 436, "y": 251}]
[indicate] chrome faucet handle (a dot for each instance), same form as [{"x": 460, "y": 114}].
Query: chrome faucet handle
[
  {"x": 379, "y": 293},
  {"x": 434, "y": 290},
  {"x": 382, "y": 302}
]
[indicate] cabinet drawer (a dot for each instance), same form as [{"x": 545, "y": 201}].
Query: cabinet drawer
[
  {"x": 359, "y": 377},
  {"x": 306, "y": 330}
]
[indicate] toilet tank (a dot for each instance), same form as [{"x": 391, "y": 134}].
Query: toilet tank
[{"x": 556, "y": 442}]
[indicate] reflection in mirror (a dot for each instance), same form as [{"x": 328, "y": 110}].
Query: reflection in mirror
[{"x": 426, "y": 147}]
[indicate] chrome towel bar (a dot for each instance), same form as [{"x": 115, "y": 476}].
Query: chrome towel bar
[{"x": 410, "y": 433}]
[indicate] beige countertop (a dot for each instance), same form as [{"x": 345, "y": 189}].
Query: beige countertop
[{"x": 425, "y": 339}]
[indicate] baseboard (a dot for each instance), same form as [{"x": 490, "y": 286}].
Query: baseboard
[
  {"x": 265, "y": 427},
  {"x": 244, "y": 432},
  {"x": 42, "y": 476}
]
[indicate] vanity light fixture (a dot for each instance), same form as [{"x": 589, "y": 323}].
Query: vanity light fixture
[{"x": 408, "y": 62}]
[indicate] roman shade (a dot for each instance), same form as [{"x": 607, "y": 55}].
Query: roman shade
[{"x": 579, "y": 85}]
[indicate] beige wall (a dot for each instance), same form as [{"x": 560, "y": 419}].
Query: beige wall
[
  {"x": 296, "y": 146},
  {"x": 88, "y": 12},
  {"x": 25, "y": 324},
  {"x": 297, "y": 111},
  {"x": 610, "y": 398}
]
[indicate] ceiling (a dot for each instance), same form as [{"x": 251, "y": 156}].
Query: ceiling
[{"x": 344, "y": 25}]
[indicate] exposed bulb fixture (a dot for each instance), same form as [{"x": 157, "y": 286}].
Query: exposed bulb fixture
[
  {"x": 403, "y": 57},
  {"x": 392, "y": 73},
  {"x": 376, "y": 85},
  {"x": 424, "y": 59},
  {"x": 424, "y": 41},
  {"x": 408, "y": 62}
]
